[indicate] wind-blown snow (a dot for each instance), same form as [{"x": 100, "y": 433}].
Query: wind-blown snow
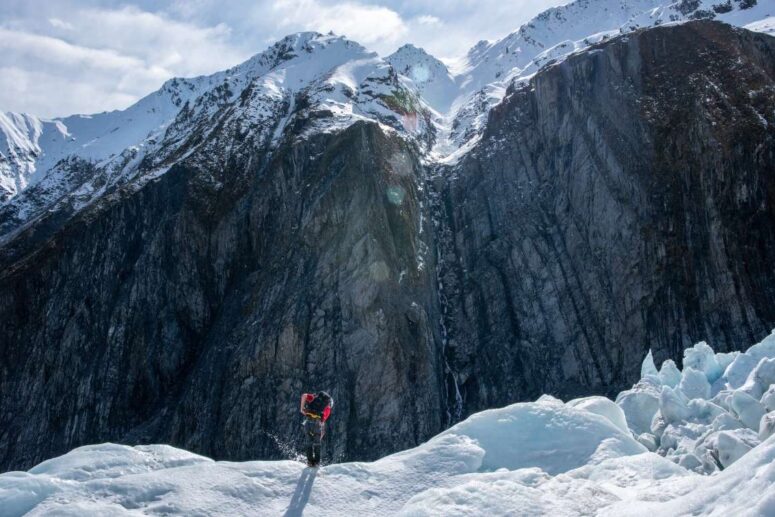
[{"x": 705, "y": 453}]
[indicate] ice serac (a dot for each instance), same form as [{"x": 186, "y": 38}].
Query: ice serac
[{"x": 286, "y": 231}]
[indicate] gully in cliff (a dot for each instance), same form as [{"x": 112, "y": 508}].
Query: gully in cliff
[{"x": 316, "y": 409}]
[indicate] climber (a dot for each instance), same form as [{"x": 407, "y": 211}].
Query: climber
[{"x": 316, "y": 409}]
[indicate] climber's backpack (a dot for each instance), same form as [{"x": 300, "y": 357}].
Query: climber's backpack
[{"x": 317, "y": 405}]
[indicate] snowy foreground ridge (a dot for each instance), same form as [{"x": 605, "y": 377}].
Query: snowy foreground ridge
[{"x": 710, "y": 429}]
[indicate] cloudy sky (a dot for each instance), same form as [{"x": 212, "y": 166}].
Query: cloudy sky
[{"x": 62, "y": 57}]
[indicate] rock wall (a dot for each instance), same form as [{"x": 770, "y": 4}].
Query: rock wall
[
  {"x": 196, "y": 310},
  {"x": 620, "y": 201}
]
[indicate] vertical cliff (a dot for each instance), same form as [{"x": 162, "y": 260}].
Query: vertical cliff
[
  {"x": 621, "y": 200},
  {"x": 195, "y": 310}
]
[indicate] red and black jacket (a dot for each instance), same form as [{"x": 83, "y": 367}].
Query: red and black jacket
[{"x": 306, "y": 398}]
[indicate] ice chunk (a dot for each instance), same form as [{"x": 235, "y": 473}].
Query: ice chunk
[
  {"x": 725, "y": 359},
  {"x": 702, "y": 358},
  {"x": 673, "y": 405},
  {"x": 648, "y": 367},
  {"x": 603, "y": 407},
  {"x": 670, "y": 375},
  {"x": 732, "y": 445},
  {"x": 694, "y": 384},
  {"x": 767, "y": 426},
  {"x": 725, "y": 422},
  {"x": 718, "y": 386},
  {"x": 648, "y": 440},
  {"x": 726, "y": 447},
  {"x": 691, "y": 462},
  {"x": 761, "y": 378},
  {"x": 704, "y": 411},
  {"x": 766, "y": 348},
  {"x": 748, "y": 410},
  {"x": 639, "y": 406},
  {"x": 768, "y": 399},
  {"x": 20, "y": 492},
  {"x": 658, "y": 425},
  {"x": 670, "y": 439},
  {"x": 737, "y": 372},
  {"x": 548, "y": 399},
  {"x": 723, "y": 399}
]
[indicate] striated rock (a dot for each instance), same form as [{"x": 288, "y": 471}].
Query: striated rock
[
  {"x": 195, "y": 310},
  {"x": 619, "y": 202}
]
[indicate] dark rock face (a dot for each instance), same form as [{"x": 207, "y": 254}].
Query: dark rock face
[
  {"x": 622, "y": 200},
  {"x": 196, "y": 310}
]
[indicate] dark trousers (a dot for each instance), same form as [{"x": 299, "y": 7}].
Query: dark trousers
[{"x": 313, "y": 431}]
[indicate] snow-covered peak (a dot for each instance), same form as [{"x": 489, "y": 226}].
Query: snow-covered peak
[
  {"x": 31, "y": 146},
  {"x": 430, "y": 77},
  {"x": 318, "y": 52},
  {"x": 583, "y": 22}
]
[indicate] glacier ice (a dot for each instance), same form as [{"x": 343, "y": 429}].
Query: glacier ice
[
  {"x": 747, "y": 409},
  {"x": 694, "y": 384},
  {"x": 603, "y": 407},
  {"x": 702, "y": 358},
  {"x": 669, "y": 374},
  {"x": 768, "y": 399},
  {"x": 767, "y": 426}
]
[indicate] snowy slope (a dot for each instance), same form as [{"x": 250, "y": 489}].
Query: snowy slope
[
  {"x": 92, "y": 137},
  {"x": 430, "y": 77},
  {"x": 489, "y": 67},
  {"x": 541, "y": 458}
]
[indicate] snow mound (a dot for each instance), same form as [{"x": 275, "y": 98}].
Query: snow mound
[
  {"x": 553, "y": 437},
  {"x": 524, "y": 444}
]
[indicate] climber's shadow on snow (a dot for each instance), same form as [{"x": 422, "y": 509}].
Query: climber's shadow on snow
[{"x": 301, "y": 495}]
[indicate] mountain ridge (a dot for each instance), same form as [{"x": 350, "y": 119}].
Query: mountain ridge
[{"x": 460, "y": 101}]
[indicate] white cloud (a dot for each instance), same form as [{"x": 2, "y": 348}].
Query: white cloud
[
  {"x": 427, "y": 19},
  {"x": 59, "y": 52},
  {"x": 373, "y": 26},
  {"x": 101, "y": 59},
  {"x": 53, "y": 94},
  {"x": 60, "y": 24},
  {"x": 159, "y": 40}
]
